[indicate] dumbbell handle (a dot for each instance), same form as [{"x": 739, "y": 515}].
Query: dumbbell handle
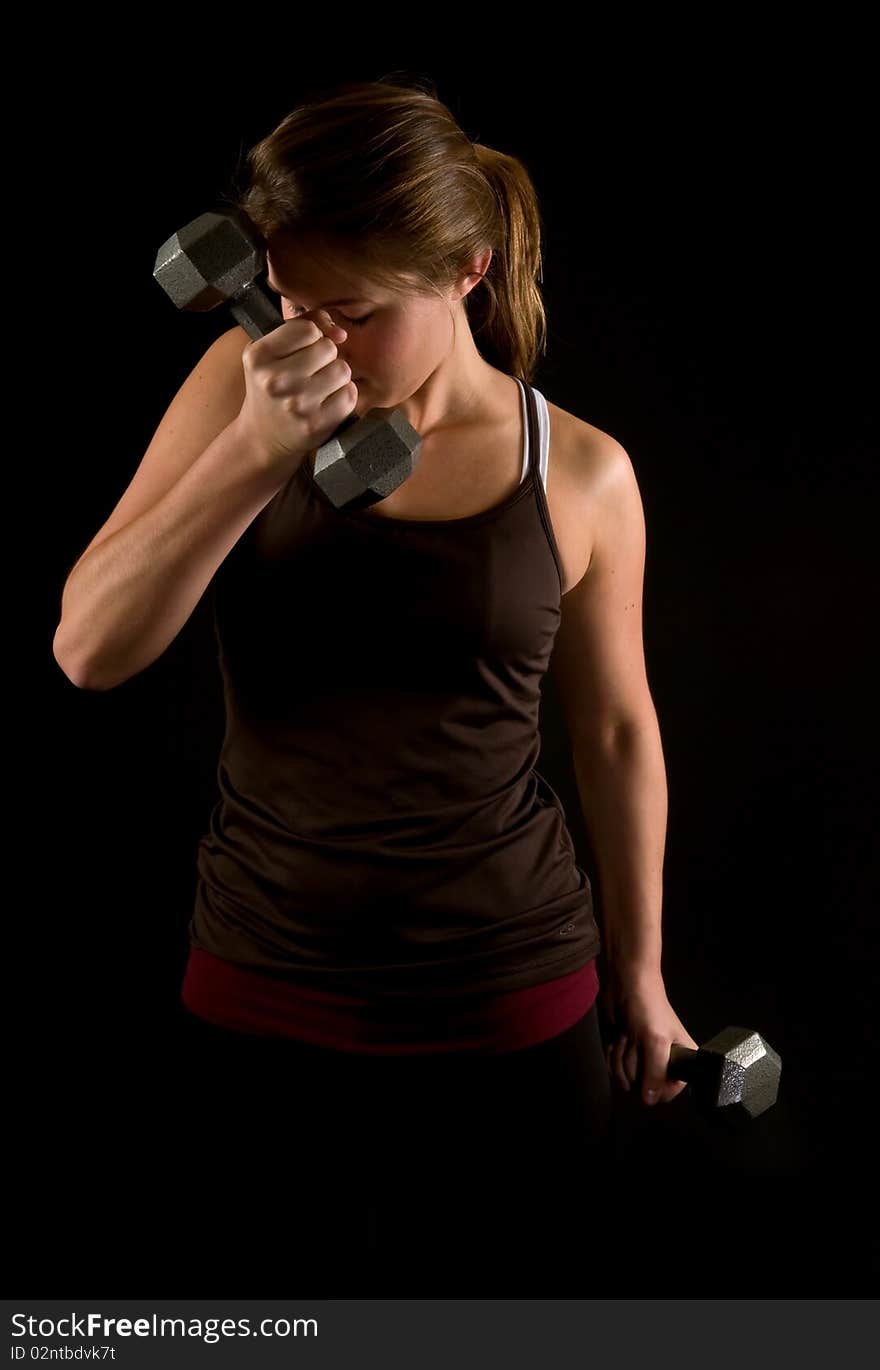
[
  {"x": 256, "y": 313},
  {"x": 684, "y": 1064}
]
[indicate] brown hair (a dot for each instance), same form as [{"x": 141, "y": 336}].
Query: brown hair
[{"x": 382, "y": 174}]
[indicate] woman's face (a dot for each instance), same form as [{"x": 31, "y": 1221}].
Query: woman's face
[{"x": 395, "y": 343}]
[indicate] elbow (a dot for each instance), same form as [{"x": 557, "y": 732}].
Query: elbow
[
  {"x": 73, "y": 675},
  {"x": 83, "y": 681},
  {"x": 76, "y": 671}
]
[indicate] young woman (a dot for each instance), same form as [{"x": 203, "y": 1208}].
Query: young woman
[{"x": 392, "y": 993}]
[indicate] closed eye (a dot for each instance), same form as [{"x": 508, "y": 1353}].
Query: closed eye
[{"x": 347, "y": 318}]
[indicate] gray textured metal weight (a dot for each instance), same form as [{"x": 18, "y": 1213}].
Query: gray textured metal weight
[
  {"x": 215, "y": 260},
  {"x": 735, "y": 1070}
]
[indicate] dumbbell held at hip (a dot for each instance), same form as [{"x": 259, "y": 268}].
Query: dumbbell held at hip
[
  {"x": 216, "y": 259},
  {"x": 735, "y": 1075}
]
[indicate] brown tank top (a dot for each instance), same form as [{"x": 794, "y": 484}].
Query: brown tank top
[{"x": 385, "y": 869}]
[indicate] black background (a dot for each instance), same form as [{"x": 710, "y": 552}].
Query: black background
[{"x": 711, "y": 304}]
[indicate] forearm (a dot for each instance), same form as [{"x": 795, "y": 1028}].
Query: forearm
[{"x": 623, "y": 793}]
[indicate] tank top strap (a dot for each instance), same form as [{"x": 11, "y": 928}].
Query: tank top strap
[
  {"x": 537, "y": 426},
  {"x": 532, "y": 430}
]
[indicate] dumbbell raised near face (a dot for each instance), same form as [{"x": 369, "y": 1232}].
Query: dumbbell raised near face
[{"x": 216, "y": 259}]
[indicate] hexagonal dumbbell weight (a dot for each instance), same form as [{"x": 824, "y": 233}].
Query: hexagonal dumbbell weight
[
  {"x": 216, "y": 259},
  {"x": 735, "y": 1071}
]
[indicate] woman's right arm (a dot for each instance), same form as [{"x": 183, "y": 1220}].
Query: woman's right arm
[
  {"x": 129, "y": 596},
  {"x": 233, "y": 435}
]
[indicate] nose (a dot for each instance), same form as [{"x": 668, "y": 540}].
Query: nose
[{"x": 332, "y": 329}]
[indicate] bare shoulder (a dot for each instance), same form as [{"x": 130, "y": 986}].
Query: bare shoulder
[
  {"x": 237, "y": 337},
  {"x": 591, "y": 477},
  {"x": 589, "y": 457}
]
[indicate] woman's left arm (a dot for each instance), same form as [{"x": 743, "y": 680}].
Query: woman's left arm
[{"x": 598, "y": 668}]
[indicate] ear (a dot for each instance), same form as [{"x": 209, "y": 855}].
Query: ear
[{"x": 478, "y": 269}]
